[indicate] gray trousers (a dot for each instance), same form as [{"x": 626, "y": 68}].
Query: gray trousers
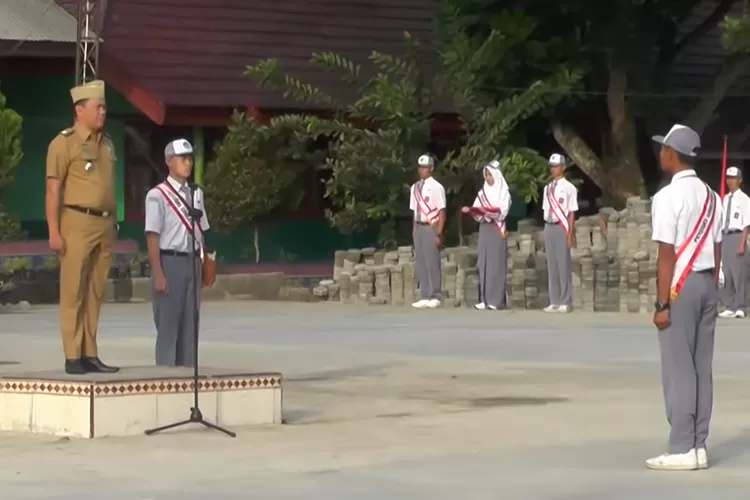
[
  {"x": 735, "y": 273},
  {"x": 687, "y": 352},
  {"x": 558, "y": 265},
  {"x": 427, "y": 262},
  {"x": 492, "y": 262},
  {"x": 174, "y": 312}
]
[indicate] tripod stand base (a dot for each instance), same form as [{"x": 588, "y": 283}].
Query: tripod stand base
[{"x": 196, "y": 417}]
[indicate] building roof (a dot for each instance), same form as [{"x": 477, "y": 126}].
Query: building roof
[
  {"x": 192, "y": 53},
  {"x": 36, "y": 21},
  {"x": 694, "y": 73}
]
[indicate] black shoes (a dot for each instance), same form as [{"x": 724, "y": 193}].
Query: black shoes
[
  {"x": 85, "y": 365},
  {"x": 74, "y": 367},
  {"x": 95, "y": 365}
]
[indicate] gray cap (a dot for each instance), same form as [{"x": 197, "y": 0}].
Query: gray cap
[
  {"x": 682, "y": 139},
  {"x": 734, "y": 172},
  {"x": 178, "y": 147},
  {"x": 426, "y": 160}
]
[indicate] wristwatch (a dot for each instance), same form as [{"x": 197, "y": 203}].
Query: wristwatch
[{"x": 661, "y": 306}]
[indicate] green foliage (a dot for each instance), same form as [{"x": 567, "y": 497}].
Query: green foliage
[
  {"x": 492, "y": 112},
  {"x": 374, "y": 140},
  {"x": 735, "y": 33},
  {"x": 10, "y": 157},
  {"x": 255, "y": 172}
]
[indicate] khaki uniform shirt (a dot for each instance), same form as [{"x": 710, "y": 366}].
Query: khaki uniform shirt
[{"x": 84, "y": 164}]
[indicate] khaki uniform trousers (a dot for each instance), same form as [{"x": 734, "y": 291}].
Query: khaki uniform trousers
[{"x": 84, "y": 268}]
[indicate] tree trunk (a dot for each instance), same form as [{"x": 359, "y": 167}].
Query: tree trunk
[
  {"x": 618, "y": 173},
  {"x": 577, "y": 149},
  {"x": 621, "y": 165}
]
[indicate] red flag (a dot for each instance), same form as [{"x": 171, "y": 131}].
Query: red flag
[{"x": 723, "y": 187}]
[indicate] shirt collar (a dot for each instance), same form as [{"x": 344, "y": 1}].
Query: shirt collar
[
  {"x": 84, "y": 133},
  {"x": 684, "y": 174},
  {"x": 175, "y": 184}
]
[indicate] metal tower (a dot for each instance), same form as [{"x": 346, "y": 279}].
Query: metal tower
[{"x": 87, "y": 44}]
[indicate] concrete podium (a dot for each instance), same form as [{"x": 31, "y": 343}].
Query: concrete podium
[{"x": 134, "y": 400}]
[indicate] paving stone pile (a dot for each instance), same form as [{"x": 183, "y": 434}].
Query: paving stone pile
[{"x": 613, "y": 270}]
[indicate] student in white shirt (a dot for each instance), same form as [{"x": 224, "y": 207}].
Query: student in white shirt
[
  {"x": 735, "y": 219},
  {"x": 686, "y": 218},
  {"x": 169, "y": 228},
  {"x": 559, "y": 204},
  {"x": 428, "y": 204}
]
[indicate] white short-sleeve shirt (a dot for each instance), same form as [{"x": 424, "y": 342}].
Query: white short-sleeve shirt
[
  {"x": 433, "y": 194},
  {"x": 566, "y": 195},
  {"x": 675, "y": 211},
  {"x": 164, "y": 221},
  {"x": 739, "y": 218}
]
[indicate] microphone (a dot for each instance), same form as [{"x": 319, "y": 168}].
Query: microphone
[{"x": 195, "y": 213}]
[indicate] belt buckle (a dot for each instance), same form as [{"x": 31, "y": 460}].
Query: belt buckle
[{"x": 105, "y": 214}]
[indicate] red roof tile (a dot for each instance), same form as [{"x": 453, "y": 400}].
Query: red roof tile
[{"x": 194, "y": 52}]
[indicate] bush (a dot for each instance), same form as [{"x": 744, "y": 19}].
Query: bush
[{"x": 10, "y": 157}]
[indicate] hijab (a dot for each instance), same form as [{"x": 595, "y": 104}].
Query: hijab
[{"x": 498, "y": 194}]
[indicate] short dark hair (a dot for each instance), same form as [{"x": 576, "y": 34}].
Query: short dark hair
[{"x": 687, "y": 160}]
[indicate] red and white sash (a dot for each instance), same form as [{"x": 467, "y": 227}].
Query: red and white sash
[
  {"x": 175, "y": 200},
  {"x": 557, "y": 211},
  {"x": 687, "y": 252},
  {"x": 430, "y": 214},
  {"x": 487, "y": 206}
]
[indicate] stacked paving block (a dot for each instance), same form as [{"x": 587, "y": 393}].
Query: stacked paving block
[{"x": 613, "y": 266}]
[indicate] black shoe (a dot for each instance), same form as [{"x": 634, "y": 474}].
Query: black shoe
[
  {"x": 75, "y": 367},
  {"x": 95, "y": 365}
]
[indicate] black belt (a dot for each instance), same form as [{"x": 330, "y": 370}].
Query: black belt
[
  {"x": 552, "y": 223},
  {"x": 704, "y": 271},
  {"x": 422, "y": 223},
  {"x": 733, "y": 231},
  {"x": 175, "y": 253},
  {"x": 90, "y": 211}
]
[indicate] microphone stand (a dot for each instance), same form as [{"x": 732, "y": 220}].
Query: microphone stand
[{"x": 196, "y": 416}]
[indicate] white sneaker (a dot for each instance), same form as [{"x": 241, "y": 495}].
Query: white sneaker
[
  {"x": 434, "y": 303},
  {"x": 702, "y": 457},
  {"x": 550, "y": 309},
  {"x": 492, "y": 308},
  {"x": 739, "y": 314},
  {"x": 727, "y": 314},
  {"x": 563, "y": 309},
  {"x": 682, "y": 461},
  {"x": 480, "y": 306},
  {"x": 420, "y": 304}
]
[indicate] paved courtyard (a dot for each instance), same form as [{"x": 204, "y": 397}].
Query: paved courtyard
[{"x": 384, "y": 403}]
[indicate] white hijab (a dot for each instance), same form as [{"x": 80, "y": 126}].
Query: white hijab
[{"x": 498, "y": 194}]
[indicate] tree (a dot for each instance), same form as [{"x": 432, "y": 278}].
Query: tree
[
  {"x": 255, "y": 172},
  {"x": 374, "y": 140},
  {"x": 627, "y": 49},
  {"x": 10, "y": 157},
  {"x": 474, "y": 68},
  {"x": 377, "y": 137}
]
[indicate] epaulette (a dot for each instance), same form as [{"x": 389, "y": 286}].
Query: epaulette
[{"x": 67, "y": 131}]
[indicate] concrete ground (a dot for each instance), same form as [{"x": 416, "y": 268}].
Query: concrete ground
[{"x": 398, "y": 404}]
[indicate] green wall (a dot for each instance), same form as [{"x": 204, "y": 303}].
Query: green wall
[{"x": 44, "y": 104}]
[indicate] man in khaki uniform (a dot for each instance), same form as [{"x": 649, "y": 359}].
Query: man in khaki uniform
[{"x": 80, "y": 207}]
